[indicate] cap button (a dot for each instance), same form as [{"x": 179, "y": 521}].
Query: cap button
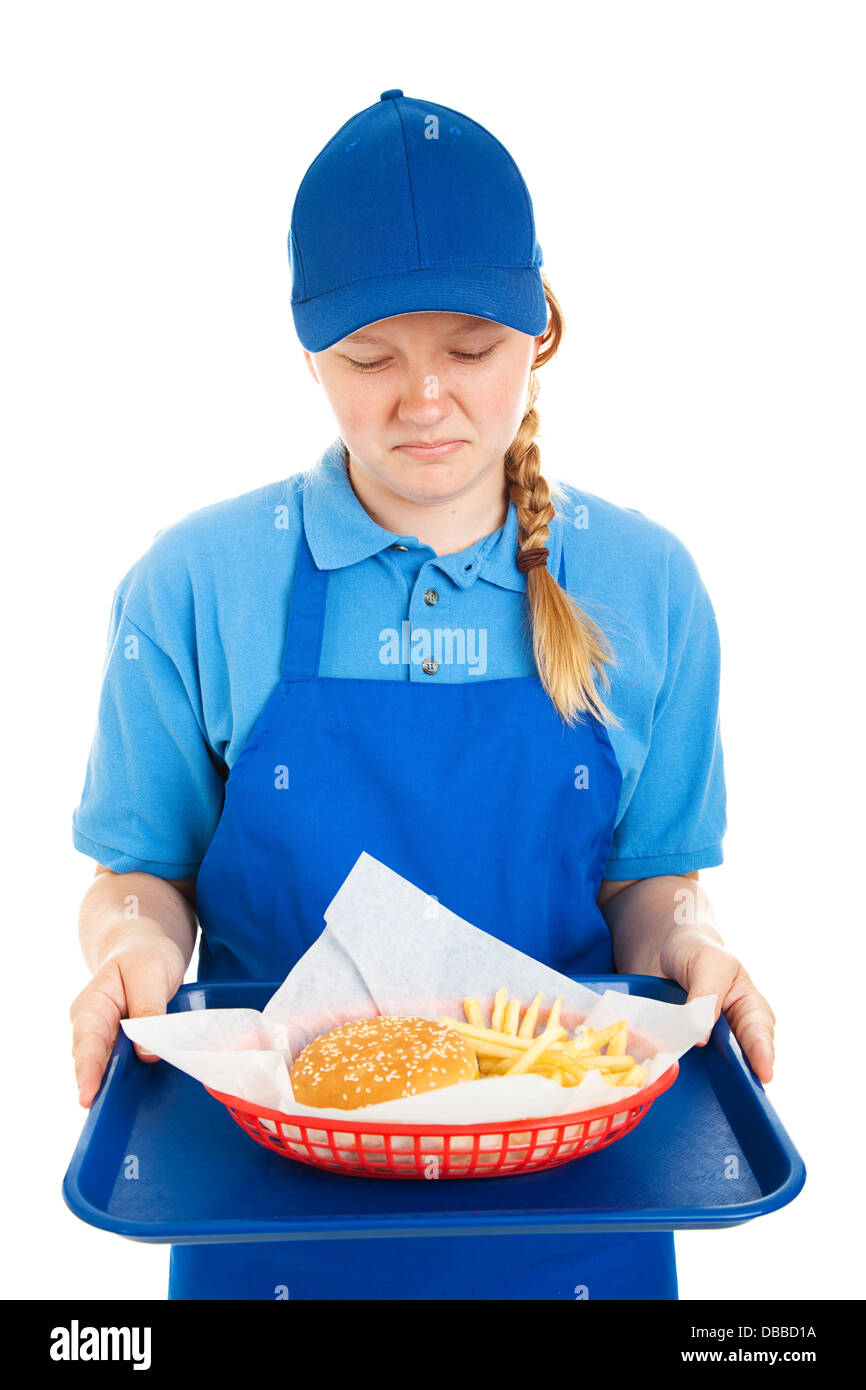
[{"x": 392, "y": 92}]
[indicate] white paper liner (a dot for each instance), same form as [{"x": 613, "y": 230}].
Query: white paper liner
[{"x": 389, "y": 948}]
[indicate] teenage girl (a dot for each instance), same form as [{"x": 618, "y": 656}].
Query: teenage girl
[{"x": 400, "y": 650}]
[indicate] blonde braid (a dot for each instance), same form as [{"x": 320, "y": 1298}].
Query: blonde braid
[{"x": 568, "y": 646}]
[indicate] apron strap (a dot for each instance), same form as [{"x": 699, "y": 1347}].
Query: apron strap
[{"x": 303, "y": 649}]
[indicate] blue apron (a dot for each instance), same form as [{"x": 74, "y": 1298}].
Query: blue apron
[{"x": 469, "y": 791}]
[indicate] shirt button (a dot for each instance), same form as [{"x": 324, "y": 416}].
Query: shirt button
[
  {"x": 430, "y": 667},
  {"x": 396, "y": 546},
  {"x": 431, "y": 597}
]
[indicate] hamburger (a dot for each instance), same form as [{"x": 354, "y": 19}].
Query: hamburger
[{"x": 376, "y": 1059}]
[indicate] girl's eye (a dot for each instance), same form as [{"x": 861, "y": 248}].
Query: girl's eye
[{"x": 463, "y": 356}]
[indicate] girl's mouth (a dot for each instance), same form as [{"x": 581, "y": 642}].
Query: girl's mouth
[{"x": 429, "y": 451}]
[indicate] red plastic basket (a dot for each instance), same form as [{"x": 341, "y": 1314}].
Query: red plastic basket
[{"x": 366, "y": 1149}]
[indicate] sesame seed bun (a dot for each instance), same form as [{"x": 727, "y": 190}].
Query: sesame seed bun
[{"x": 376, "y": 1059}]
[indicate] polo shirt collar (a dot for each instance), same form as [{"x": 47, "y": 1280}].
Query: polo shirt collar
[{"x": 341, "y": 532}]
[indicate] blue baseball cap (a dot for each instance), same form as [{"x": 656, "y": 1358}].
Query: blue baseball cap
[{"x": 412, "y": 207}]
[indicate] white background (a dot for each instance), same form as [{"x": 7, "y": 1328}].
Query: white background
[{"x": 697, "y": 176}]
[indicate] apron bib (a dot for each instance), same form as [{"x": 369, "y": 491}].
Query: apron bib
[{"x": 480, "y": 796}]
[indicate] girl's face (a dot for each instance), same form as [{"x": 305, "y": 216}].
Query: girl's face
[{"x": 428, "y": 378}]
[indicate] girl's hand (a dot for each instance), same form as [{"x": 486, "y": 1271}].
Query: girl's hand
[
  {"x": 137, "y": 981},
  {"x": 704, "y": 966}
]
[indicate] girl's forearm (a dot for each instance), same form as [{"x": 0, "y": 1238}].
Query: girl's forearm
[
  {"x": 117, "y": 907},
  {"x": 647, "y": 914}
]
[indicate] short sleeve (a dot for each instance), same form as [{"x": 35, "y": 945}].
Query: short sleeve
[
  {"x": 153, "y": 789},
  {"x": 675, "y": 819}
]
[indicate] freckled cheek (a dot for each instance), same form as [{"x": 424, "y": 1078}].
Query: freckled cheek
[
  {"x": 497, "y": 400},
  {"x": 504, "y": 394},
  {"x": 359, "y": 416},
  {"x": 482, "y": 396}
]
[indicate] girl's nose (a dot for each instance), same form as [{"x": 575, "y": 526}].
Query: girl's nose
[{"x": 422, "y": 391}]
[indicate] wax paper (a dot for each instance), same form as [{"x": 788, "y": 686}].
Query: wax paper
[{"x": 390, "y": 948}]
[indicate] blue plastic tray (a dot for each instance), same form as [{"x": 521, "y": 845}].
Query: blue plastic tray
[{"x": 160, "y": 1160}]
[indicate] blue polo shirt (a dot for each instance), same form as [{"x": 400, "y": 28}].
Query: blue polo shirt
[{"x": 198, "y": 624}]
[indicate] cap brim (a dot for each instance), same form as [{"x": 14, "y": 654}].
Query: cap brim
[{"x": 511, "y": 295}]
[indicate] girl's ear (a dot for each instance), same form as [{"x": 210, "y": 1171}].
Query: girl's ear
[{"x": 312, "y": 368}]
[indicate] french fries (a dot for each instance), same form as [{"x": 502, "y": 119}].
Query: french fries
[{"x": 510, "y": 1046}]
